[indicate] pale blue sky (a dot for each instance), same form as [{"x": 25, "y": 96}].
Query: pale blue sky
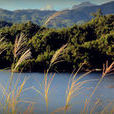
[{"x": 43, "y": 4}]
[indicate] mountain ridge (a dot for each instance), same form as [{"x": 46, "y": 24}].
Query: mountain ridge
[
  {"x": 83, "y": 13},
  {"x": 83, "y": 4},
  {"x": 55, "y": 18}
]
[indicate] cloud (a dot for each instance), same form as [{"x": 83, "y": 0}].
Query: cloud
[
  {"x": 47, "y": 7},
  {"x": 101, "y": 1}
]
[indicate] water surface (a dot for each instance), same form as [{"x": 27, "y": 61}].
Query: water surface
[{"x": 105, "y": 91}]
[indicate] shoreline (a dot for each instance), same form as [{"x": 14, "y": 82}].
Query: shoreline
[{"x": 96, "y": 70}]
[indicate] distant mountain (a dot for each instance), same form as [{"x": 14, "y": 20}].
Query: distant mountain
[
  {"x": 83, "y": 4},
  {"x": 78, "y": 14},
  {"x": 18, "y": 16}
]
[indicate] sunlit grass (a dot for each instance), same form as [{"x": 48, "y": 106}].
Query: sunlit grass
[
  {"x": 46, "y": 84},
  {"x": 57, "y": 57},
  {"x": 20, "y": 52},
  {"x": 11, "y": 99},
  {"x": 106, "y": 70},
  {"x": 109, "y": 108},
  {"x": 11, "y": 95},
  {"x": 74, "y": 89}
]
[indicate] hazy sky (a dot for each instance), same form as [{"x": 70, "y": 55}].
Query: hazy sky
[{"x": 43, "y": 4}]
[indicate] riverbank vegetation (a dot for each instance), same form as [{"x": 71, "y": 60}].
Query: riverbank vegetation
[{"x": 92, "y": 43}]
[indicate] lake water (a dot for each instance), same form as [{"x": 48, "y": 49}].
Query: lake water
[{"x": 105, "y": 91}]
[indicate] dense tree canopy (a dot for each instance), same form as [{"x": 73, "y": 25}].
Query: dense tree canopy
[{"x": 92, "y": 42}]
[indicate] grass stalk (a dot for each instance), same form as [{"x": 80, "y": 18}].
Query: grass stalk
[
  {"x": 47, "y": 82},
  {"x": 106, "y": 70}
]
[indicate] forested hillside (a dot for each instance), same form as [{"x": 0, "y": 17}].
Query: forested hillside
[{"x": 92, "y": 43}]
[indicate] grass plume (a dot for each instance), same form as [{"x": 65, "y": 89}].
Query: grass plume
[
  {"x": 106, "y": 70},
  {"x": 3, "y": 45},
  {"x": 19, "y": 45},
  {"x": 57, "y": 57},
  {"x": 47, "y": 82},
  {"x": 20, "y": 52},
  {"x": 12, "y": 98},
  {"x": 25, "y": 56}
]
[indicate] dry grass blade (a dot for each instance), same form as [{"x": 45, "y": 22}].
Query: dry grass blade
[
  {"x": 60, "y": 109},
  {"x": 3, "y": 45},
  {"x": 105, "y": 110},
  {"x": 75, "y": 87},
  {"x": 19, "y": 90},
  {"x": 12, "y": 98},
  {"x": 106, "y": 70},
  {"x": 53, "y": 16},
  {"x": 47, "y": 87},
  {"x": 47, "y": 83},
  {"x": 29, "y": 109},
  {"x": 25, "y": 56},
  {"x": 95, "y": 105},
  {"x": 58, "y": 55},
  {"x": 20, "y": 45},
  {"x": 20, "y": 52}
]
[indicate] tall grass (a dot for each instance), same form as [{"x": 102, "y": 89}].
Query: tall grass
[
  {"x": 11, "y": 95},
  {"x": 57, "y": 57},
  {"x": 20, "y": 52},
  {"x": 106, "y": 70},
  {"x": 11, "y": 100},
  {"x": 74, "y": 89}
]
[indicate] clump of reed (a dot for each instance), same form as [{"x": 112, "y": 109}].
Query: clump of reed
[
  {"x": 11, "y": 95},
  {"x": 21, "y": 53},
  {"x": 10, "y": 99},
  {"x": 74, "y": 89},
  {"x": 21, "y": 50},
  {"x": 106, "y": 70},
  {"x": 57, "y": 57}
]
